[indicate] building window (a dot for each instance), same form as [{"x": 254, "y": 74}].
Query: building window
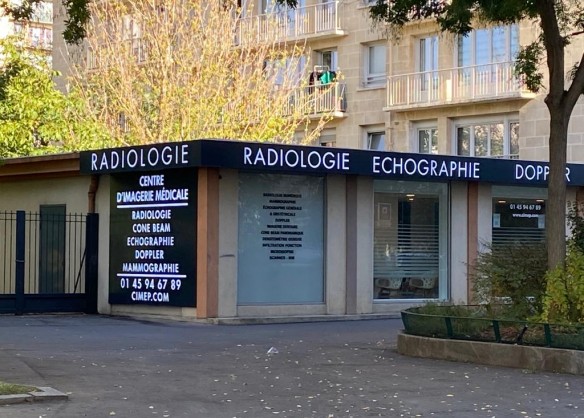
[
  {"x": 487, "y": 46},
  {"x": 130, "y": 28},
  {"x": 43, "y": 12},
  {"x": 514, "y": 139},
  {"x": 428, "y": 140},
  {"x": 375, "y": 63},
  {"x": 428, "y": 62},
  {"x": 488, "y": 139},
  {"x": 376, "y": 141},
  {"x": 123, "y": 123},
  {"x": 328, "y": 138},
  {"x": 35, "y": 36},
  {"x": 410, "y": 240},
  {"x": 327, "y": 58}
]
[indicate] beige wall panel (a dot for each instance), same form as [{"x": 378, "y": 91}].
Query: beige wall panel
[
  {"x": 335, "y": 245},
  {"x": 158, "y": 311},
  {"x": 485, "y": 216},
  {"x": 458, "y": 242},
  {"x": 228, "y": 241},
  {"x": 576, "y": 153},
  {"x": 102, "y": 206},
  {"x": 281, "y": 310},
  {"x": 364, "y": 240},
  {"x": 28, "y": 195}
]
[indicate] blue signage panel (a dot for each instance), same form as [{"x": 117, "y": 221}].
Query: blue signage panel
[
  {"x": 319, "y": 160},
  {"x": 153, "y": 238}
]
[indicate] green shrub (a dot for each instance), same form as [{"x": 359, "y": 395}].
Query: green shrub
[
  {"x": 564, "y": 299},
  {"x": 514, "y": 274},
  {"x": 445, "y": 309},
  {"x": 576, "y": 222}
]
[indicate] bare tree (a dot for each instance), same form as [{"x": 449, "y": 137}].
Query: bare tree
[{"x": 168, "y": 70}]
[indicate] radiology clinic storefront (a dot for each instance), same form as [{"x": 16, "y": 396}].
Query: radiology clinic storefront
[{"x": 225, "y": 229}]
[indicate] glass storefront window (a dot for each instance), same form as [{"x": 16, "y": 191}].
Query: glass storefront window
[
  {"x": 518, "y": 219},
  {"x": 410, "y": 240},
  {"x": 281, "y": 239}
]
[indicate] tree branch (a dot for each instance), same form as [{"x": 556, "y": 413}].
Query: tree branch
[
  {"x": 554, "y": 45},
  {"x": 577, "y": 87}
]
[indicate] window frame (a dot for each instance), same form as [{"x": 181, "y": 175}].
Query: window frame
[
  {"x": 434, "y": 129},
  {"x": 427, "y": 60},
  {"x": 328, "y": 137},
  {"x": 471, "y": 37},
  {"x": 506, "y": 120},
  {"x": 334, "y": 54},
  {"x": 369, "y": 137},
  {"x": 441, "y": 192},
  {"x": 374, "y": 79}
]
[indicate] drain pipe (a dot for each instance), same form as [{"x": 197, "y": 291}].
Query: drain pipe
[{"x": 93, "y": 185}]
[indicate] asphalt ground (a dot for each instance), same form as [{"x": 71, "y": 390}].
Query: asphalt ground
[{"x": 113, "y": 367}]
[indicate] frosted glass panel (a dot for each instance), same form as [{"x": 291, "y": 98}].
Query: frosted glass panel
[{"x": 280, "y": 256}]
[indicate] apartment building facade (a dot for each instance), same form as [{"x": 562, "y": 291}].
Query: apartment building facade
[
  {"x": 339, "y": 38},
  {"x": 37, "y": 32},
  {"x": 425, "y": 91},
  {"x": 411, "y": 224}
]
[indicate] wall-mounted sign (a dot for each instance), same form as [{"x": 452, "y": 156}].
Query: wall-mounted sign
[
  {"x": 518, "y": 213},
  {"x": 321, "y": 160},
  {"x": 153, "y": 238}
]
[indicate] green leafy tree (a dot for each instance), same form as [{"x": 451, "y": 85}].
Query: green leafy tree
[
  {"x": 564, "y": 296},
  {"x": 36, "y": 118},
  {"x": 559, "y": 22}
]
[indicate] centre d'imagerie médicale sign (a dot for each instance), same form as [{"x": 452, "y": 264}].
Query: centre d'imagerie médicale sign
[{"x": 153, "y": 238}]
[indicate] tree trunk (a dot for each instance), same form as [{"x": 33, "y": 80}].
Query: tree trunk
[{"x": 556, "y": 204}]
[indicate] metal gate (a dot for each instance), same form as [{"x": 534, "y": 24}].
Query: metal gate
[{"x": 48, "y": 261}]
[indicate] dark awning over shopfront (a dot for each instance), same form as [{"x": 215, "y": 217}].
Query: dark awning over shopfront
[{"x": 269, "y": 157}]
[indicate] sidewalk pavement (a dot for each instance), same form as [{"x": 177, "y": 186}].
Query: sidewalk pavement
[{"x": 112, "y": 367}]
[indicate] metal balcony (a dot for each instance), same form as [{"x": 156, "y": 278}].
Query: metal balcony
[
  {"x": 318, "y": 100},
  {"x": 455, "y": 86},
  {"x": 286, "y": 24}
]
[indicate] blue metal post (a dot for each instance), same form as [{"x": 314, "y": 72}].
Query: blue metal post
[{"x": 19, "y": 268}]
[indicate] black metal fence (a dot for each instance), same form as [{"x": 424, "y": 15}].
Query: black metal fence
[
  {"x": 476, "y": 324},
  {"x": 48, "y": 261}
]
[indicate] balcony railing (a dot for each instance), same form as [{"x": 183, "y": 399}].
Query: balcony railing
[
  {"x": 453, "y": 86},
  {"x": 318, "y": 100},
  {"x": 287, "y": 24}
]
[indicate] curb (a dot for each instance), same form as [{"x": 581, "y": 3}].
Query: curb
[
  {"x": 257, "y": 320},
  {"x": 298, "y": 319},
  {"x": 42, "y": 394},
  {"x": 532, "y": 358}
]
